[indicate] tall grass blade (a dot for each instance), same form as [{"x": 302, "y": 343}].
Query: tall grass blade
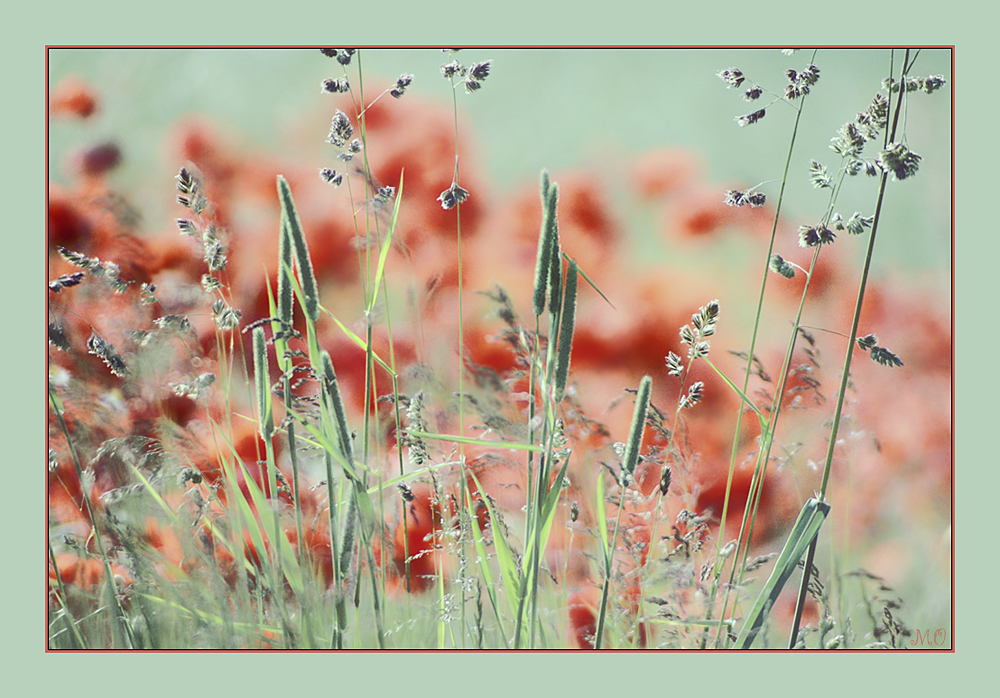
[
  {"x": 807, "y": 525},
  {"x": 508, "y": 566},
  {"x": 484, "y": 566},
  {"x": 386, "y": 246}
]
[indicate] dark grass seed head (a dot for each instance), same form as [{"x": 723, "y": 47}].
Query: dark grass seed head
[
  {"x": 226, "y": 317},
  {"x": 66, "y": 281},
  {"x": 749, "y": 119},
  {"x": 453, "y": 69},
  {"x": 665, "y": 478},
  {"x": 900, "y": 161},
  {"x": 819, "y": 176},
  {"x": 885, "y": 357},
  {"x": 330, "y": 176},
  {"x": 735, "y": 197},
  {"x": 336, "y": 85},
  {"x": 186, "y": 183},
  {"x": 480, "y": 71},
  {"x": 402, "y": 83},
  {"x": 813, "y": 236},
  {"x": 733, "y": 77},
  {"x": 57, "y": 336},
  {"x": 105, "y": 350},
  {"x": 674, "y": 365},
  {"x": 778, "y": 265},
  {"x": 452, "y": 196},
  {"x": 867, "y": 342}
]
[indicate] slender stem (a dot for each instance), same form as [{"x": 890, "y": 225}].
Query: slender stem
[
  {"x": 845, "y": 376},
  {"x": 461, "y": 354},
  {"x": 746, "y": 378}
]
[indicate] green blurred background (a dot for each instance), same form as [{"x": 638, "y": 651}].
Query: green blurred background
[{"x": 552, "y": 108}]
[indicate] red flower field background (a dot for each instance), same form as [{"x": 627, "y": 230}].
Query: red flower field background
[{"x": 644, "y": 146}]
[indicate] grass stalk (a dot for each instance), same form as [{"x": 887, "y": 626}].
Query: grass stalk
[{"x": 848, "y": 355}]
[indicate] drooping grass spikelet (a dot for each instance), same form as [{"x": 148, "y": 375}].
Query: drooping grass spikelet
[
  {"x": 303, "y": 261},
  {"x": 566, "y": 331},
  {"x": 105, "y": 351},
  {"x": 549, "y": 232},
  {"x": 631, "y": 457}
]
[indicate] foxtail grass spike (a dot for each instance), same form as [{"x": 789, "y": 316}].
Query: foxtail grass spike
[
  {"x": 337, "y": 405},
  {"x": 284, "y": 270},
  {"x": 566, "y": 331},
  {"x": 262, "y": 384},
  {"x": 302, "y": 259},
  {"x": 555, "y": 255},
  {"x": 548, "y": 232},
  {"x": 638, "y": 423}
]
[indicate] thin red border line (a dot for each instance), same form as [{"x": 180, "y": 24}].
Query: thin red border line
[
  {"x": 45, "y": 315},
  {"x": 950, "y": 47},
  {"x": 953, "y": 130},
  {"x": 506, "y": 46}
]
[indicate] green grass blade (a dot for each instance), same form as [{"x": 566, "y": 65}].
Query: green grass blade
[
  {"x": 411, "y": 475},
  {"x": 269, "y": 521},
  {"x": 547, "y": 514},
  {"x": 806, "y": 528},
  {"x": 386, "y": 245},
  {"x": 484, "y": 566},
  {"x": 360, "y": 342},
  {"x": 602, "y": 517},
  {"x": 748, "y": 401},
  {"x": 508, "y": 566},
  {"x": 478, "y": 442},
  {"x": 592, "y": 284}
]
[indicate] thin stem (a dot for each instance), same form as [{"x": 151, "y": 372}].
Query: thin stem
[
  {"x": 750, "y": 355},
  {"x": 845, "y": 377}
]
